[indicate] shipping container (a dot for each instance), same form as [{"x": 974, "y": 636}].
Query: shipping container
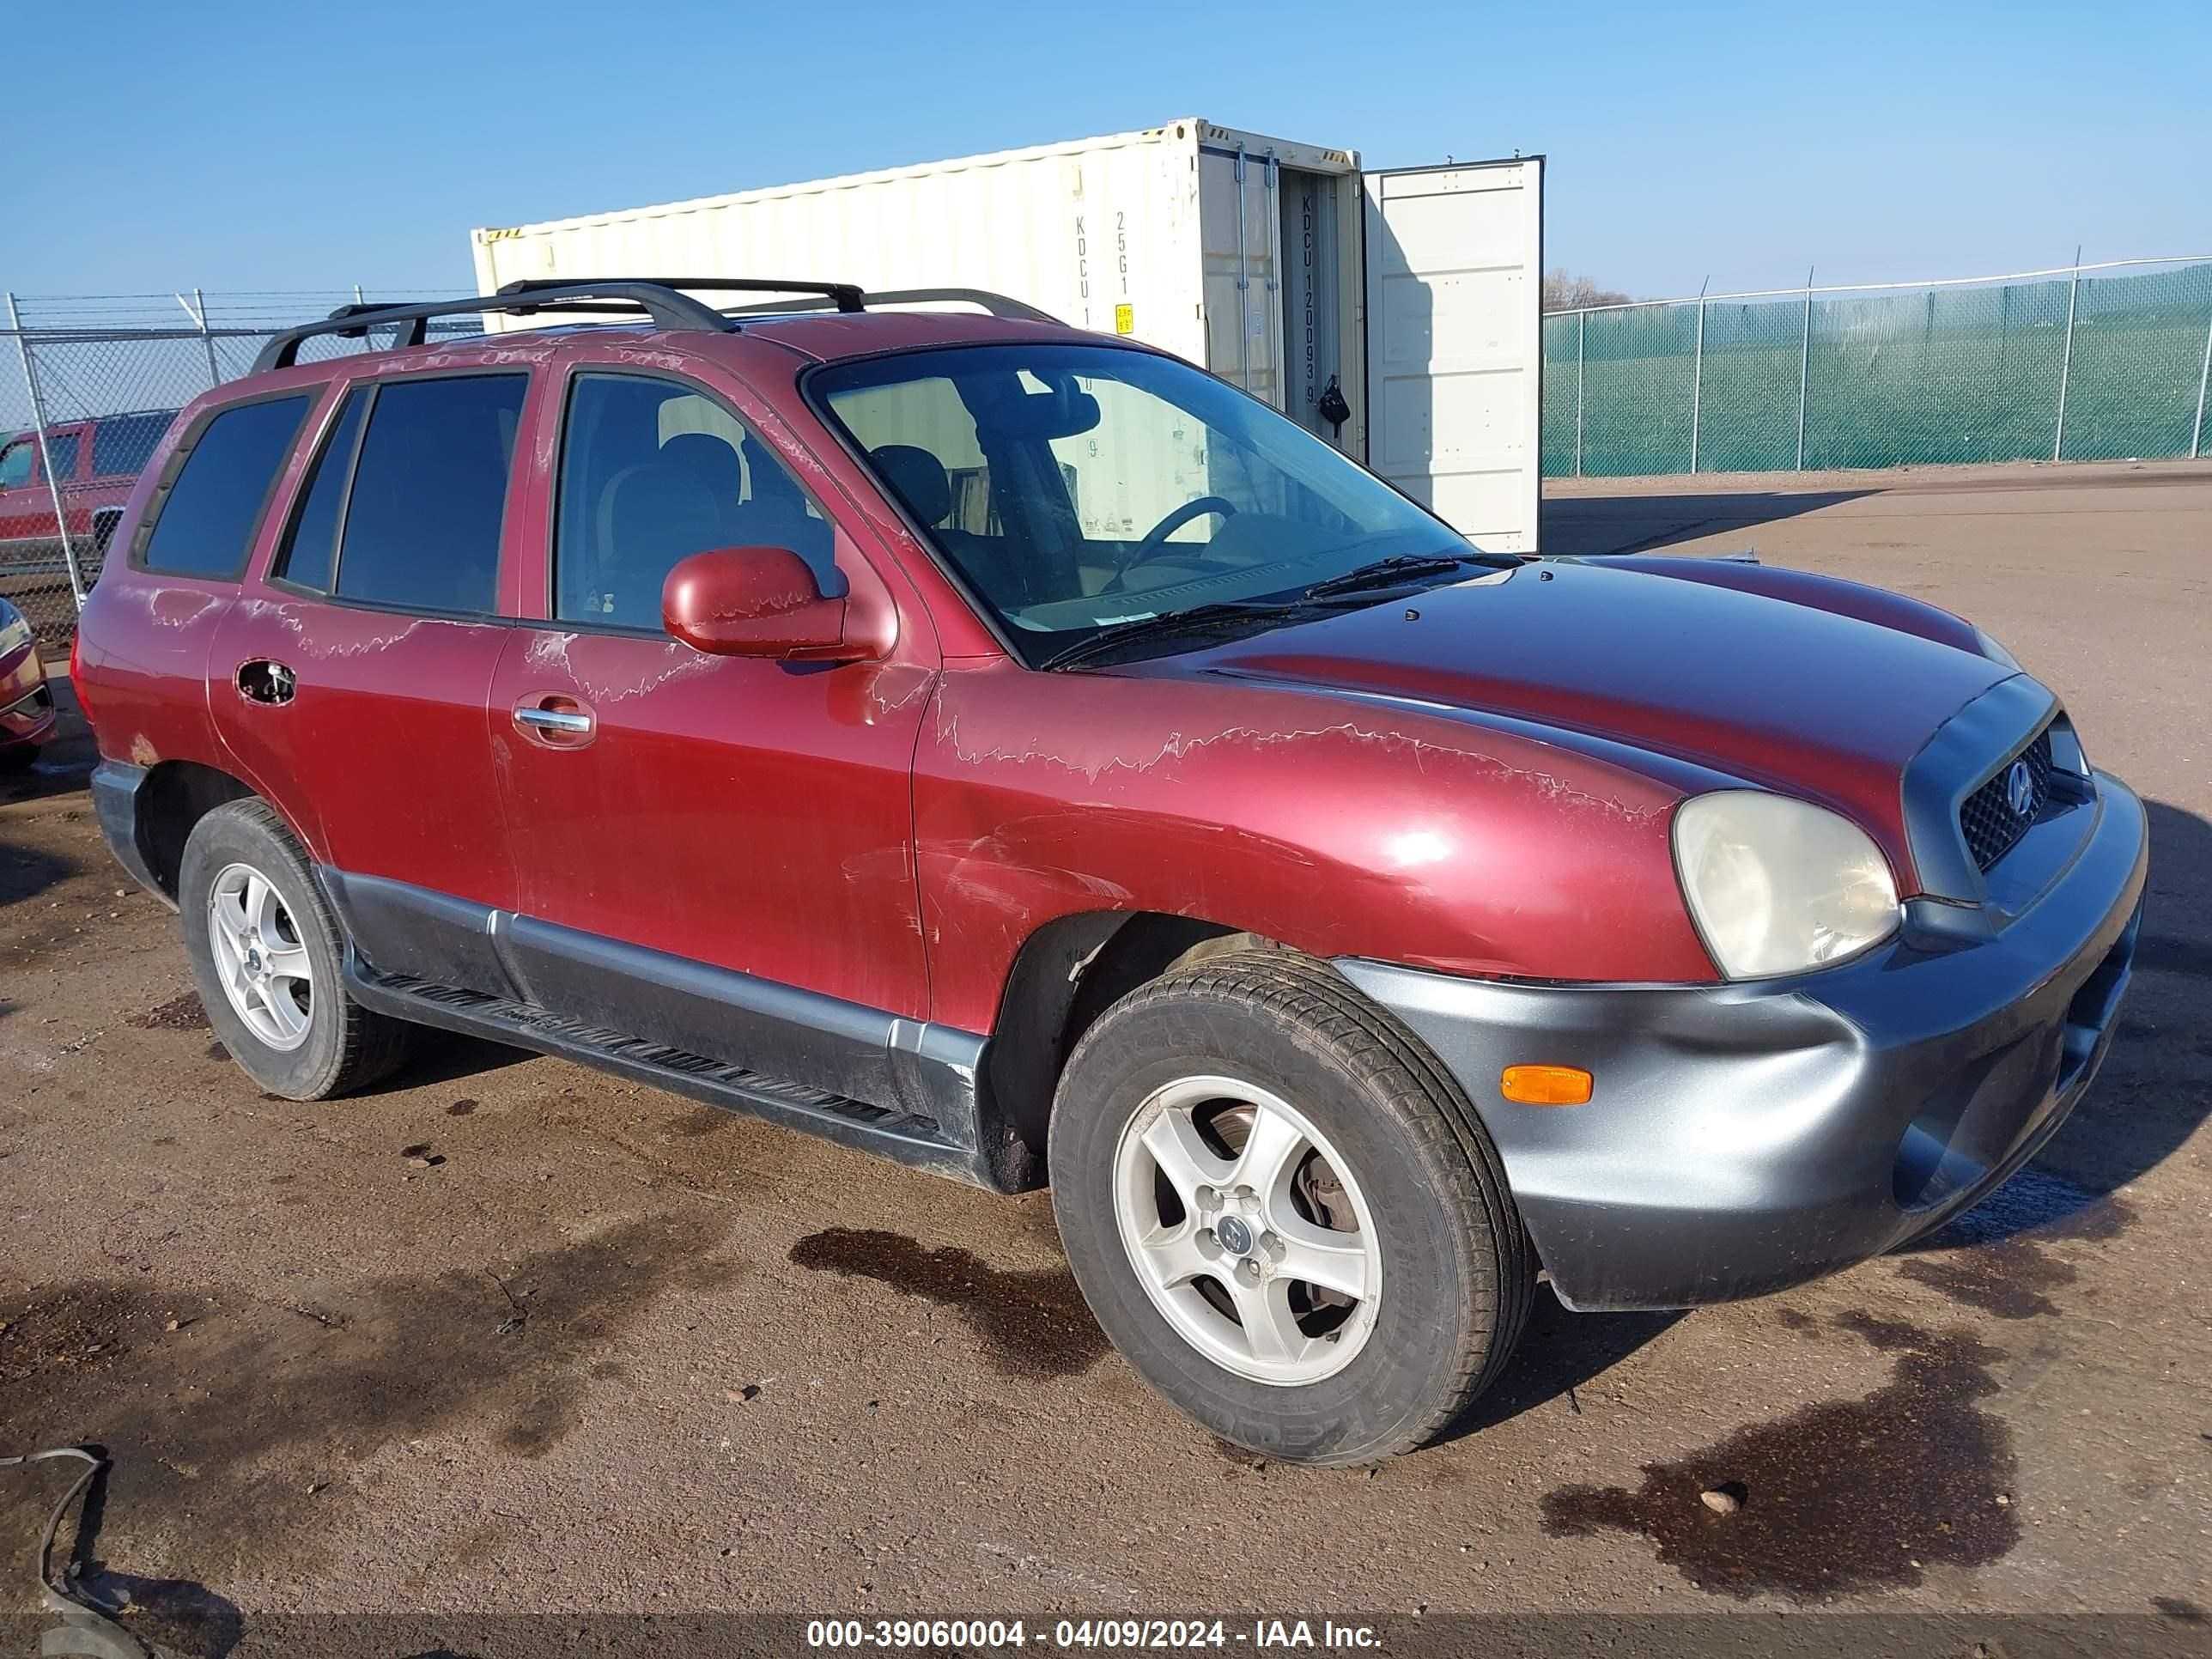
[{"x": 1283, "y": 267}]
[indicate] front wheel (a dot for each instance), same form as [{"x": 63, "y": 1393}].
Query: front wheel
[{"x": 1284, "y": 1213}]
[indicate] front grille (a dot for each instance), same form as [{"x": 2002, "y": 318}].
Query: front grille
[{"x": 1988, "y": 819}]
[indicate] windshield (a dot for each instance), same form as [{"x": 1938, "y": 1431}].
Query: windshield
[{"x": 1082, "y": 487}]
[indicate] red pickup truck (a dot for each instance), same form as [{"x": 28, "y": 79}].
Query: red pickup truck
[
  {"x": 1017, "y": 752},
  {"x": 95, "y": 462}
]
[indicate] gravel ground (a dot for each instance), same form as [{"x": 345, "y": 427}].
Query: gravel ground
[{"x": 513, "y": 1339}]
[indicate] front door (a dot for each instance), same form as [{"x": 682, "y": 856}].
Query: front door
[
  {"x": 353, "y": 686},
  {"x": 714, "y": 852},
  {"x": 1455, "y": 345}
]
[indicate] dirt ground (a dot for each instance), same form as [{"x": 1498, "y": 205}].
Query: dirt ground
[{"x": 511, "y": 1338}]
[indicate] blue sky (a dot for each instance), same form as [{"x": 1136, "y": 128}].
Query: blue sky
[{"x": 251, "y": 146}]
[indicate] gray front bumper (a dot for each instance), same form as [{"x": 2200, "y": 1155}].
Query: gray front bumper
[{"x": 1744, "y": 1138}]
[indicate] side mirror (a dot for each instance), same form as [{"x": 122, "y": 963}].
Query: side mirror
[{"x": 756, "y": 602}]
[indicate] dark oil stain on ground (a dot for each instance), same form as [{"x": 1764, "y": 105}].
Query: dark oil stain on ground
[
  {"x": 221, "y": 1409},
  {"x": 1995, "y": 1257},
  {"x": 217, "y": 1051},
  {"x": 460, "y": 1109},
  {"x": 1032, "y": 1324},
  {"x": 2180, "y": 1609},
  {"x": 1840, "y": 1497},
  {"x": 182, "y": 1013},
  {"x": 2012, "y": 1281}
]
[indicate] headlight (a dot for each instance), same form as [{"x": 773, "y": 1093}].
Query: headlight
[
  {"x": 1995, "y": 652},
  {"x": 1777, "y": 885}
]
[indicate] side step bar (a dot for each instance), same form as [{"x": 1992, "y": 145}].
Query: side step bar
[{"x": 911, "y": 1140}]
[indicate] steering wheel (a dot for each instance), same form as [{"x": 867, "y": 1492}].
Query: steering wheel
[{"x": 1155, "y": 537}]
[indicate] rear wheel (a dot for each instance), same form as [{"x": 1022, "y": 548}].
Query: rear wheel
[
  {"x": 267, "y": 956},
  {"x": 1284, "y": 1213}
]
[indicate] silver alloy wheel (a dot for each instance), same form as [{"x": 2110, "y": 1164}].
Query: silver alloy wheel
[
  {"x": 259, "y": 956},
  {"x": 1248, "y": 1253}
]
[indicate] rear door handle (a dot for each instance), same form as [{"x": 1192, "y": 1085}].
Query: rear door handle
[{"x": 556, "y": 721}]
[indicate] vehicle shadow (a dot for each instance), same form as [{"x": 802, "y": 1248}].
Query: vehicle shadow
[
  {"x": 1559, "y": 1352},
  {"x": 2155, "y": 1089},
  {"x": 1594, "y": 525},
  {"x": 450, "y": 1057},
  {"x": 25, "y": 872}
]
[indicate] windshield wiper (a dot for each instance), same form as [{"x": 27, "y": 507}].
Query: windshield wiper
[
  {"x": 1198, "y": 619},
  {"x": 1388, "y": 573}
]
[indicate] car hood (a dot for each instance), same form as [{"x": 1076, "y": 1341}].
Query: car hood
[{"x": 1779, "y": 692}]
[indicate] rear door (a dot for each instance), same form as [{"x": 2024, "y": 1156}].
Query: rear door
[
  {"x": 1455, "y": 352},
  {"x": 353, "y": 685}
]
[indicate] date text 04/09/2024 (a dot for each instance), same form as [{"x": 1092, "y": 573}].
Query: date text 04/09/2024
[{"x": 1262, "y": 1636}]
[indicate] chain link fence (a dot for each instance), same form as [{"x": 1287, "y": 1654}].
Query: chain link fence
[
  {"x": 2087, "y": 362},
  {"x": 89, "y": 385}
]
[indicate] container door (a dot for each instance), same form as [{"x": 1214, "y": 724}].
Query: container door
[
  {"x": 1240, "y": 231},
  {"x": 1455, "y": 260}
]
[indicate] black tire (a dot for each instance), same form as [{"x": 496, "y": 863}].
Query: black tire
[
  {"x": 1458, "y": 1269},
  {"x": 347, "y": 1047}
]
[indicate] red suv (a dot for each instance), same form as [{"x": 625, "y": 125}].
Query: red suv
[{"x": 1020, "y": 753}]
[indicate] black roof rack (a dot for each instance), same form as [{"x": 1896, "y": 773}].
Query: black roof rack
[
  {"x": 846, "y": 296},
  {"x": 662, "y": 305},
  {"x": 659, "y": 299},
  {"x": 998, "y": 305}
]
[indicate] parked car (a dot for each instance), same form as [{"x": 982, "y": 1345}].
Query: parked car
[
  {"x": 95, "y": 462},
  {"x": 26, "y": 707},
  {"x": 1017, "y": 752}
]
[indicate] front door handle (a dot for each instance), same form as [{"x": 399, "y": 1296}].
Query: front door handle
[{"x": 556, "y": 721}]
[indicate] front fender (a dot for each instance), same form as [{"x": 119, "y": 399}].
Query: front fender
[{"x": 1339, "y": 825}]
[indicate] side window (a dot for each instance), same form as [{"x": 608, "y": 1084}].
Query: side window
[
  {"x": 16, "y": 465},
  {"x": 651, "y": 472},
  {"x": 210, "y": 512},
  {"x": 62, "y": 450},
  {"x": 429, "y": 490},
  {"x": 310, "y": 551},
  {"x": 123, "y": 444}
]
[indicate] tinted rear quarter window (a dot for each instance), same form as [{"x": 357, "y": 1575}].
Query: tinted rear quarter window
[
  {"x": 429, "y": 490},
  {"x": 207, "y": 523}
]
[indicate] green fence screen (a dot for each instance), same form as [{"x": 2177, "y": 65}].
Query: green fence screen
[{"x": 2097, "y": 367}]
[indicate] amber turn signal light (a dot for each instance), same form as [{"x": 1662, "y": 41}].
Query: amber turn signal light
[{"x": 1546, "y": 1085}]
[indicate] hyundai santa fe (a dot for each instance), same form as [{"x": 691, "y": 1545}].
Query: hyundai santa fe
[{"x": 1022, "y": 754}]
